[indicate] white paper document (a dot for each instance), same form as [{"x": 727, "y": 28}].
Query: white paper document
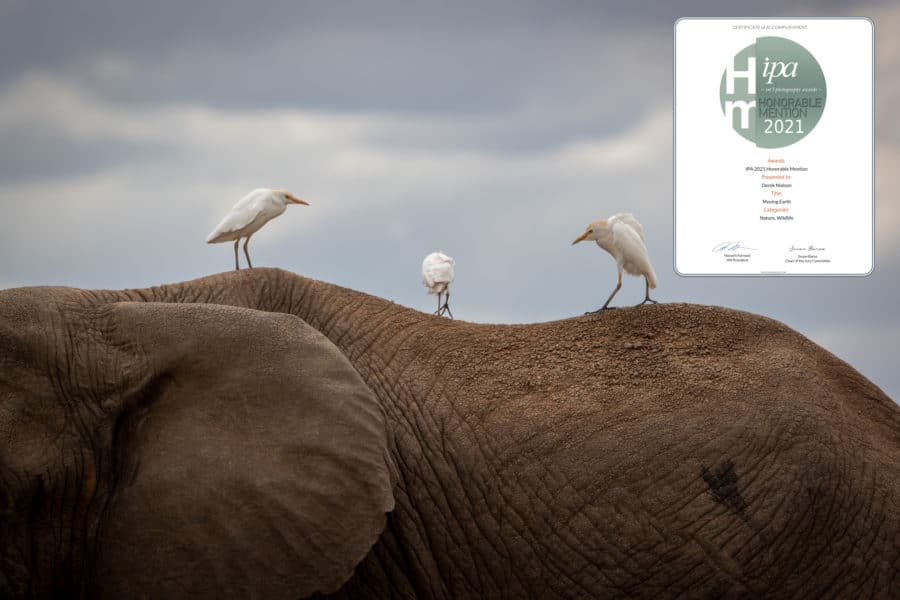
[{"x": 774, "y": 155}]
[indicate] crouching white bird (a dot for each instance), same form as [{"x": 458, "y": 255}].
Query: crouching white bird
[
  {"x": 437, "y": 274},
  {"x": 249, "y": 214},
  {"x": 623, "y": 237}
]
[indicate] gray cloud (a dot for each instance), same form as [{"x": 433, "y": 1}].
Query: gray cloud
[{"x": 390, "y": 56}]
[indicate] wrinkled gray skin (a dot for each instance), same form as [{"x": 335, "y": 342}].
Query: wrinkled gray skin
[{"x": 259, "y": 434}]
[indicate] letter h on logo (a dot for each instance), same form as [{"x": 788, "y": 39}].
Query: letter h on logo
[{"x": 749, "y": 75}]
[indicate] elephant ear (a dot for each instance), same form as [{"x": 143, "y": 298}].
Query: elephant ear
[{"x": 251, "y": 457}]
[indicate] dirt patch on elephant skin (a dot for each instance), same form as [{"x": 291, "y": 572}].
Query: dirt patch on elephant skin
[{"x": 724, "y": 489}]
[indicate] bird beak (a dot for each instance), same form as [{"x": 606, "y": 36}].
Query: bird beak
[
  {"x": 581, "y": 237},
  {"x": 297, "y": 200}
]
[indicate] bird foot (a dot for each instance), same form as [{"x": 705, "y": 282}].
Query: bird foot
[
  {"x": 600, "y": 310},
  {"x": 646, "y": 300}
]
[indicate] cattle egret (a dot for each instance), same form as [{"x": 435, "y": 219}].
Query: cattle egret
[
  {"x": 246, "y": 217},
  {"x": 623, "y": 237},
  {"x": 437, "y": 274}
]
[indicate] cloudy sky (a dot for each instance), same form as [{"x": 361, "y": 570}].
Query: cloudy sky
[{"x": 492, "y": 130}]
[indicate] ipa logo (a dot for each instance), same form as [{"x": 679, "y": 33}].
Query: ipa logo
[{"x": 773, "y": 92}]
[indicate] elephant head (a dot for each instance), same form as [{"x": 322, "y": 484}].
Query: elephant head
[{"x": 257, "y": 433}]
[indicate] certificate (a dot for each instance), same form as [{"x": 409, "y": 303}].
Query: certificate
[{"x": 774, "y": 146}]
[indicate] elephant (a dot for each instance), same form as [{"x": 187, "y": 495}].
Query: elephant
[{"x": 260, "y": 434}]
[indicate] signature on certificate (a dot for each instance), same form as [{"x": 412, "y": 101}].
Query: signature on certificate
[{"x": 730, "y": 247}]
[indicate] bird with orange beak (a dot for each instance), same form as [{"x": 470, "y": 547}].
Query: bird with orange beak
[
  {"x": 249, "y": 214},
  {"x": 623, "y": 237}
]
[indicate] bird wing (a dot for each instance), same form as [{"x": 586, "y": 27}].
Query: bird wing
[
  {"x": 241, "y": 214},
  {"x": 437, "y": 268},
  {"x": 628, "y": 219},
  {"x": 633, "y": 256}
]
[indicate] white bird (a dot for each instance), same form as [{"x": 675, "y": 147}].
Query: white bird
[
  {"x": 623, "y": 237},
  {"x": 437, "y": 274},
  {"x": 249, "y": 214}
]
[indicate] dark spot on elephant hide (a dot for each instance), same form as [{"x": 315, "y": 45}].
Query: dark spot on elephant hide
[{"x": 724, "y": 488}]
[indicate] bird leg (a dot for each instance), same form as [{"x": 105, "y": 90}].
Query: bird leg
[
  {"x": 237, "y": 267},
  {"x": 606, "y": 305},
  {"x": 446, "y": 303},
  {"x": 647, "y": 297},
  {"x": 246, "y": 252},
  {"x": 437, "y": 313}
]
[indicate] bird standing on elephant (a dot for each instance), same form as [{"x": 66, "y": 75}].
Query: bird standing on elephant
[
  {"x": 247, "y": 216},
  {"x": 623, "y": 237},
  {"x": 437, "y": 274}
]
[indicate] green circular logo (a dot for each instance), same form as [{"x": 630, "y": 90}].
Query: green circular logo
[{"x": 773, "y": 92}]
